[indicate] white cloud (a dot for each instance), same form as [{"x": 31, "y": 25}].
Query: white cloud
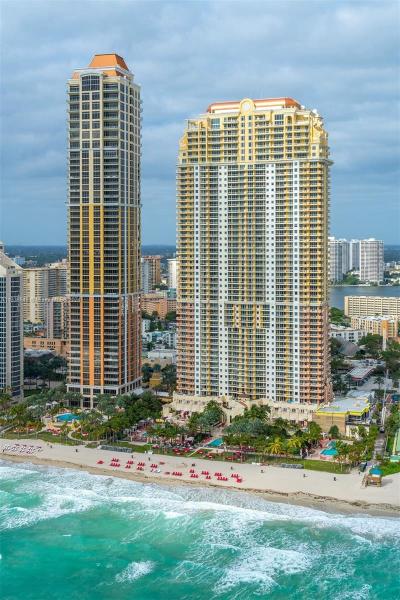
[{"x": 339, "y": 57}]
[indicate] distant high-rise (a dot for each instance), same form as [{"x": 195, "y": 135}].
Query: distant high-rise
[
  {"x": 11, "y": 327},
  {"x": 172, "y": 272},
  {"x": 371, "y": 260},
  {"x": 363, "y": 256},
  {"x": 151, "y": 273},
  {"x": 41, "y": 283},
  {"x": 57, "y": 317},
  {"x": 252, "y": 204},
  {"x": 104, "y": 228},
  {"x": 339, "y": 258}
]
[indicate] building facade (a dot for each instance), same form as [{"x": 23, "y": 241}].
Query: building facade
[
  {"x": 339, "y": 259},
  {"x": 158, "y": 302},
  {"x": 57, "y": 317},
  {"x": 347, "y": 334},
  {"x": 55, "y": 345},
  {"x": 151, "y": 273},
  {"x": 362, "y": 306},
  {"x": 104, "y": 228},
  {"x": 35, "y": 294},
  {"x": 41, "y": 283},
  {"x": 172, "y": 273},
  {"x": 252, "y": 246},
  {"x": 384, "y": 325},
  {"x": 371, "y": 260},
  {"x": 11, "y": 328}
]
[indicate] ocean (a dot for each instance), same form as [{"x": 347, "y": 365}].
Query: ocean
[{"x": 70, "y": 534}]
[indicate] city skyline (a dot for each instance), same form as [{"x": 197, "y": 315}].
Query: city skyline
[{"x": 356, "y": 96}]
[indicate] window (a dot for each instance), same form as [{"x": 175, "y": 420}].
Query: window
[
  {"x": 214, "y": 123},
  {"x": 90, "y": 82}
]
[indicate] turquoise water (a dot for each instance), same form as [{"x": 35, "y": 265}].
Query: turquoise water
[
  {"x": 216, "y": 443},
  {"x": 68, "y": 534},
  {"x": 330, "y": 450},
  {"x": 67, "y": 417}
]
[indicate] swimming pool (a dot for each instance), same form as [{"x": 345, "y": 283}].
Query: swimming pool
[
  {"x": 216, "y": 443},
  {"x": 67, "y": 417},
  {"x": 330, "y": 450}
]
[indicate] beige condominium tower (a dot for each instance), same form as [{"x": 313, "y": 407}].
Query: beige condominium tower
[
  {"x": 252, "y": 207},
  {"x": 104, "y": 116}
]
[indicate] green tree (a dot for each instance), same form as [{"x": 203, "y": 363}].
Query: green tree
[
  {"x": 275, "y": 446},
  {"x": 334, "y": 432},
  {"x": 294, "y": 444},
  {"x": 314, "y": 432},
  {"x": 379, "y": 380},
  {"x": 337, "y": 317},
  {"x": 343, "y": 451},
  {"x": 372, "y": 344}
]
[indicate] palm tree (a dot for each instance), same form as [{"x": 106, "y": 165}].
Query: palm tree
[
  {"x": 275, "y": 446},
  {"x": 342, "y": 453},
  {"x": 295, "y": 443},
  {"x": 379, "y": 380},
  {"x": 314, "y": 432}
]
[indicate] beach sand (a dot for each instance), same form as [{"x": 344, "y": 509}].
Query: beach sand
[{"x": 317, "y": 489}]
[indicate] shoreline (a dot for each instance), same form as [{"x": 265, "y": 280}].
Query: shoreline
[{"x": 309, "y": 499}]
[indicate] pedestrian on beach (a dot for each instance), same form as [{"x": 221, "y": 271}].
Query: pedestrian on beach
[
  {"x": 304, "y": 474},
  {"x": 334, "y": 479}
]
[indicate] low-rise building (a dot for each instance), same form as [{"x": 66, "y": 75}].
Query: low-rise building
[
  {"x": 346, "y": 413},
  {"x": 57, "y": 346},
  {"x": 163, "y": 354},
  {"x": 159, "y": 303},
  {"x": 386, "y": 326},
  {"x": 347, "y": 334},
  {"x": 361, "y": 306}
]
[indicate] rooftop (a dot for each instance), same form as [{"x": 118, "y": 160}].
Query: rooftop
[
  {"x": 361, "y": 372},
  {"x": 108, "y": 60},
  {"x": 347, "y": 405},
  {"x": 248, "y": 104}
]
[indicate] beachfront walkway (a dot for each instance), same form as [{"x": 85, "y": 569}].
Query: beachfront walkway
[{"x": 346, "y": 488}]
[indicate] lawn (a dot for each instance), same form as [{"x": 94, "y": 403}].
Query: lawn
[
  {"x": 389, "y": 468},
  {"x": 311, "y": 465},
  {"x": 133, "y": 447},
  {"x": 45, "y": 436}
]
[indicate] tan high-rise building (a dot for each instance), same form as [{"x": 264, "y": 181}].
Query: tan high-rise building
[
  {"x": 104, "y": 228},
  {"x": 252, "y": 208},
  {"x": 40, "y": 284},
  {"x": 151, "y": 273}
]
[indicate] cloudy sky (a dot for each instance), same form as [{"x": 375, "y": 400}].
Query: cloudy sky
[{"x": 337, "y": 56}]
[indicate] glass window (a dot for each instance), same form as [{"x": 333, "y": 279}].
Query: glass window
[{"x": 90, "y": 82}]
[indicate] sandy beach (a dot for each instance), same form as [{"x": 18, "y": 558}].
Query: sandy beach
[{"x": 316, "y": 489}]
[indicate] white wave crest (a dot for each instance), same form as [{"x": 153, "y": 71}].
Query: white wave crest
[
  {"x": 260, "y": 566},
  {"x": 134, "y": 570}
]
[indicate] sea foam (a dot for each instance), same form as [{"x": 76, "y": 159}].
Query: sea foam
[{"x": 134, "y": 570}]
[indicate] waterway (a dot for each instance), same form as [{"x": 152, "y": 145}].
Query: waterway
[{"x": 338, "y": 293}]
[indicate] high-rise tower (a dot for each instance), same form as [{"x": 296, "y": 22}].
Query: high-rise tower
[
  {"x": 252, "y": 204},
  {"x": 104, "y": 228},
  {"x": 11, "y": 328}
]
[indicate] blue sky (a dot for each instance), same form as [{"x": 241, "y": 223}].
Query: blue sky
[{"x": 337, "y": 56}]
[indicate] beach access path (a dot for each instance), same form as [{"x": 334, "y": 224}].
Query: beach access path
[{"x": 290, "y": 483}]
